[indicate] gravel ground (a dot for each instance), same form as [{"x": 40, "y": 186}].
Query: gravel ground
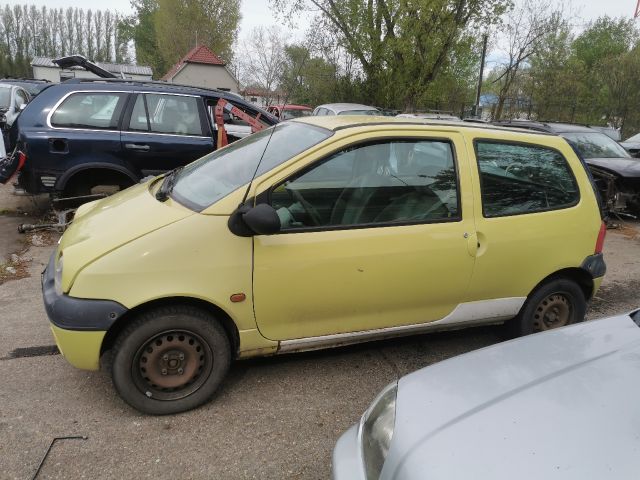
[{"x": 274, "y": 418}]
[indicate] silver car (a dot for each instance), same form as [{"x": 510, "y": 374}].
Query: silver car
[
  {"x": 632, "y": 145},
  {"x": 345, "y": 109},
  {"x": 563, "y": 404},
  {"x": 13, "y": 99}
]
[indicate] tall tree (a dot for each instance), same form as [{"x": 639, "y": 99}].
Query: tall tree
[
  {"x": 179, "y": 26},
  {"x": 401, "y": 46},
  {"x": 525, "y": 28}
]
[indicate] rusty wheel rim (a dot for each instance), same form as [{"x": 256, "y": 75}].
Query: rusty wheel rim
[
  {"x": 553, "y": 312},
  {"x": 172, "y": 365}
]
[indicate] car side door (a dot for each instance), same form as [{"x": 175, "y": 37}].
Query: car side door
[
  {"x": 370, "y": 239},
  {"x": 164, "y": 131}
]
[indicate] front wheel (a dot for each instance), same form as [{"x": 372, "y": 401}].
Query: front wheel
[
  {"x": 170, "y": 360},
  {"x": 554, "y": 304}
]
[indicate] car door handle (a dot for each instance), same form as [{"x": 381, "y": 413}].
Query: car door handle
[{"x": 135, "y": 146}]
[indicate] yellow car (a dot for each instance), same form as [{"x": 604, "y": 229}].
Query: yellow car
[{"x": 320, "y": 232}]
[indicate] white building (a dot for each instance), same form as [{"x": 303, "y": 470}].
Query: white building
[{"x": 202, "y": 68}]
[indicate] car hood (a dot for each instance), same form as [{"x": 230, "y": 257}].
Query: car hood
[
  {"x": 104, "y": 225},
  {"x": 563, "y": 404},
  {"x": 625, "y": 167}
]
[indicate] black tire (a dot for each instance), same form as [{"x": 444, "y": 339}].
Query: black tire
[
  {"x": 170, "y": 360},
  {"x": 554, "y": 304}
]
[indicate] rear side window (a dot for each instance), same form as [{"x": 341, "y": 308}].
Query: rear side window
[
  {"x": 518, "y": 179},
  {"x": 95, "y": 110},
  {"x": 174, "y": 114}
]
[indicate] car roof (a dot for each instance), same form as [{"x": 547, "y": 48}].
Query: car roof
[
  {"x": 126, "y": 85},
  {"x": 291, "y": 106},
  {"x": 553, "y": 127},
  {"x": 342, "y": 107},
  {"x": 341, "y": 122}
]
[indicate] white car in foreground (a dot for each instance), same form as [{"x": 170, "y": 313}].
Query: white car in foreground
[{"x": 563, "y": 404}]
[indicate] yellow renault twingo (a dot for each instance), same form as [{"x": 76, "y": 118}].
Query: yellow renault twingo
[{"x": 317, "y": 233}]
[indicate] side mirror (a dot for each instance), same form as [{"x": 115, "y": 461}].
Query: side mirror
[{"x": 247, "y": 221}]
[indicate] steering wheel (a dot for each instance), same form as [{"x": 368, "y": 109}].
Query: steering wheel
[{"x": 309, "y": 209}]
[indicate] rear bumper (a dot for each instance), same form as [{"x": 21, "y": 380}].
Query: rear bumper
[{"x": 594, "y": 265}]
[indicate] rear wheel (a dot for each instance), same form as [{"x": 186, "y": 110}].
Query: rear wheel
[
  {"x": 554, "y": 304},
  {"x": 170, "y": 360}
]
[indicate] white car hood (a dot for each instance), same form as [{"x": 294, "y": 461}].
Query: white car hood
[{"x": 562, "y": 404}]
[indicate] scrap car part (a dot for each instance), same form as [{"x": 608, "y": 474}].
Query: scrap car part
[
  {"x": 222, "y": 107},
  {"x": 54, "y": 440},
  {"x": 619, "y": 196},
  {"x": 63, "y": 211}
]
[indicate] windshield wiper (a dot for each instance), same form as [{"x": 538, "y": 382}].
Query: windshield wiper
[{"x": 167, "y": 184}]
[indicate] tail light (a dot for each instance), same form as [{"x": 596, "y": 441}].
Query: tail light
[{"x": 601, "y": 234}]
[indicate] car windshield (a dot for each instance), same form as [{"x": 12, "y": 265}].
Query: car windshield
[
  {"x": 596, "y": 145},
  {"x": 289, "y": 114},
  {"x": 635, "y": 138},
  {"x": 360, "y": 112},
  {"x": 5, "y": 97},
  {"x": 216, "y": 175}
]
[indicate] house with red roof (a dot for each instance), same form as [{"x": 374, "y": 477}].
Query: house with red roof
[{"x": 202, "y": 68}]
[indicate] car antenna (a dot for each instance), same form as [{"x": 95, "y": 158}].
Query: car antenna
[{"x": 255, "y": 172}]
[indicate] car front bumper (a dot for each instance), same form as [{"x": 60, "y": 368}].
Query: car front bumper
[
  {"x": 347, "y": 459},
  {"x": 78, "y": 324}
]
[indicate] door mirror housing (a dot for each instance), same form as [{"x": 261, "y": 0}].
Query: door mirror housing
[{"x": 247, "y": 221}]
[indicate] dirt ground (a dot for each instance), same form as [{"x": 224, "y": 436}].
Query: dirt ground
[{"x": 274, "y": 418}]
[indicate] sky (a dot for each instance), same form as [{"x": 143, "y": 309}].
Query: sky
[{"x": 257, "y": 12}]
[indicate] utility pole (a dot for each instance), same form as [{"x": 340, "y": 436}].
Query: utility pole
[{"x": 476, "y": 108}]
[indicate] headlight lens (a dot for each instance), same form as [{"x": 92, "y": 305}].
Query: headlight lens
[
  {"x": 57, "y": 278},
  {"x": 376, "y": 430}
]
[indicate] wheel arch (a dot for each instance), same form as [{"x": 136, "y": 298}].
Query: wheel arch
[
  {"x": 226, "y": 322},
  {"x": 576, "y": 274},
  {"x": 86, "y": 168}
]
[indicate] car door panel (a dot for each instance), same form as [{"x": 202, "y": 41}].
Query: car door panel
[
  {"x": 314, "y": 283},
  {"x": 154, "y": 151}
]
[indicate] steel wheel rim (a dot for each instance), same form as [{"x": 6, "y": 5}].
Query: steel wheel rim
[
  {"x": 172, "y": 365},
  {"x": 553, "y": 312}
]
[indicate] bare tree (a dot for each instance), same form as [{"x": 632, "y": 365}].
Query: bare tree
[
  {"x": 262, "y": 60},
  {"x": 524, "y": 29}
]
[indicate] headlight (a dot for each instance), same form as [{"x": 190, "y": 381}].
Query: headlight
[
  {"x": 57, "y": 278},
  {"x": 376, "y": 430}
]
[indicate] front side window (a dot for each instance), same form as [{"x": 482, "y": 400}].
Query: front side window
[
  {"x": 518, "y": 179},
  {"x": 173, "y": 114},
  {"x": 95, "y": 110},
  {"x": 382, "y": 183},
  {"x": 5, "y": 97},
  {"x": 214, "y": 176},
  {"x": 21, "y": 98}
]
